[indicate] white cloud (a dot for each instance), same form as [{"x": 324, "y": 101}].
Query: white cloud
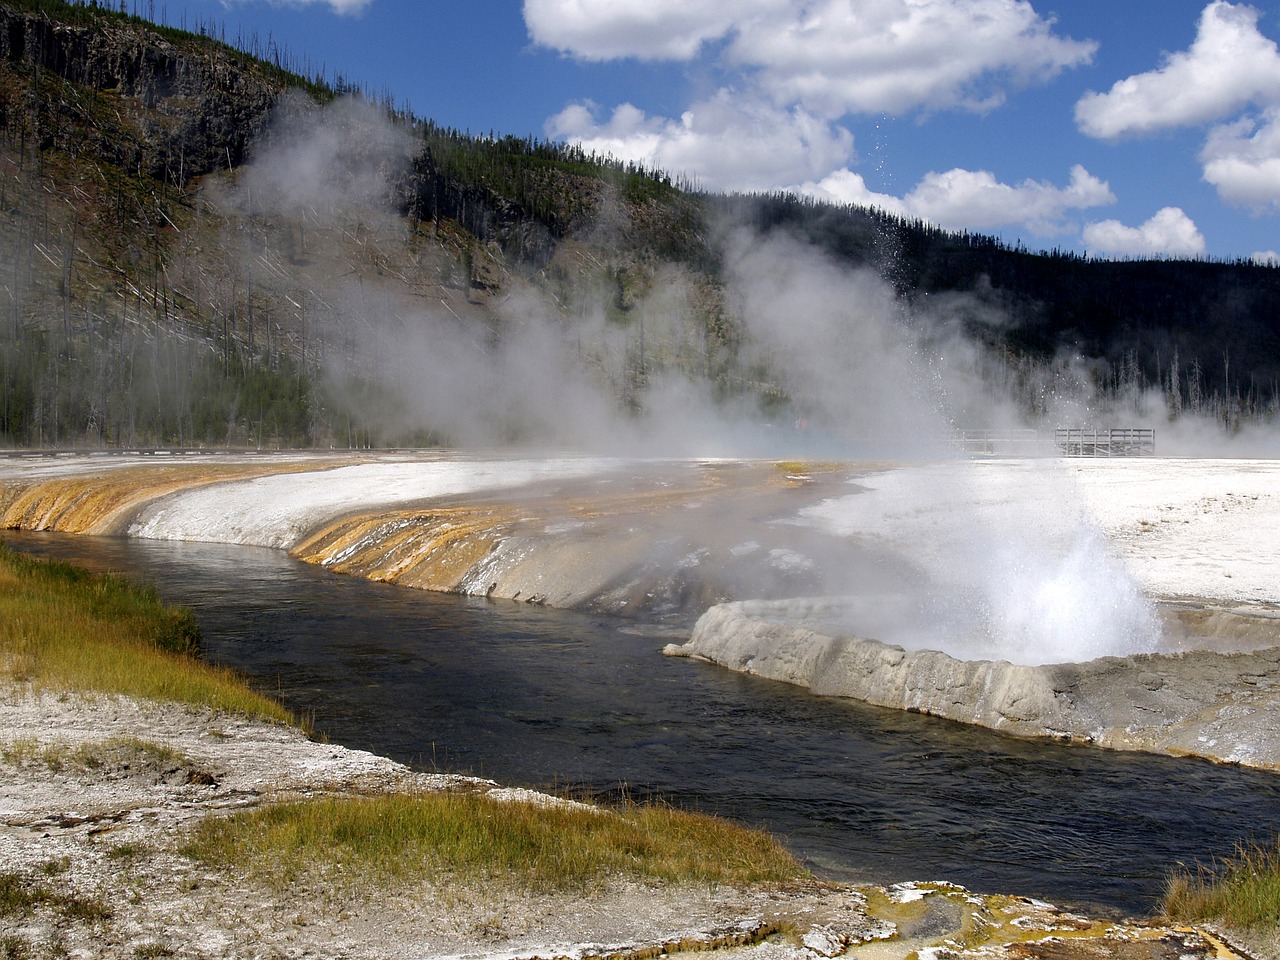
[
  {"x": 1169, "y": 233},
  {"x": 837, "y": 57},
  {"x": 727, "y": 142},
  {"x": 644, "y": 29},
  {"x": 1242, "y": 160},
  {"x": 1267, "y": 258},
  {"x": 832, "y": 57},
  {"x": 648, "y": 30},
  {"x": 1229, "y": 66},
  {"x": 846, "y": 187},
  {"x": 973, "y": 199},
  {"x": 341, "y": 7},
  {"x": 976, "y": 200}
]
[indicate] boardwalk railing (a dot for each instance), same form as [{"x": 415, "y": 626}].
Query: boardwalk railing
[
  {"x": 1003, "y": 443},
  {"x": 1115, "y": 442},
  {"x": 1064, "y": 441}
]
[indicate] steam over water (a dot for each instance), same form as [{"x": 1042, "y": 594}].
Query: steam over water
[
  {"x": 549, "y": 698},
  {"x": 822, "y": 343}
]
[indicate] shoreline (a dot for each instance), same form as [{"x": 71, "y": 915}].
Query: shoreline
[{"x": 109, "y": 832}]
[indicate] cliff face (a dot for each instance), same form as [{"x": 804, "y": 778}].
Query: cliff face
[
  {"x": 144, "y": 251},
  {"x": 185, "y": 111}
]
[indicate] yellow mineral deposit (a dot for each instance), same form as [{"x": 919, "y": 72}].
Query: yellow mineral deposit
[
  {"x": 102, "y": 502},
  {"x": 430, "y": 551},
  {"x": 940, "y": 920}
]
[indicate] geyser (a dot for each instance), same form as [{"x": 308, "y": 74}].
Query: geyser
[{"x": 1008, "y": 566}]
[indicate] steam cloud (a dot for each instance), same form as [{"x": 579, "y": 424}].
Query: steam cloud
[{"x": 864, "y": 376}]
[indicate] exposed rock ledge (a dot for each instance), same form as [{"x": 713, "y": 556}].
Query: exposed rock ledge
[
  {"x": 109, "y": 833},
  {"x": 1223, "y": 706}
]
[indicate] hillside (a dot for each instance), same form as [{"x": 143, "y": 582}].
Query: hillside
[{"x": 203, "y": 248}]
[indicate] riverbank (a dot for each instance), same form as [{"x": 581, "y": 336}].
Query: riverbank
[
  {"x": 962, "y": 583},
  {"x": 99, "y": 793}
]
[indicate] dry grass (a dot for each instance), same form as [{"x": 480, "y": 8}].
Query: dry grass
[
  {"x": 365, "y": 843},
  {"x": 62, "y": 628},
  {"x": 1243, "y": 891}
]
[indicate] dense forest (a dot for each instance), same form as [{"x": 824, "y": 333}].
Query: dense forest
[{"x": 209, "y": 243}]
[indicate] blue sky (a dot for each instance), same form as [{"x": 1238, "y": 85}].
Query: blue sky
[{"x": 1113, "y": 127}]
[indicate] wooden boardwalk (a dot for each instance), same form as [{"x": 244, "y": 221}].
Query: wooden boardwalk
[
  {"x": 1113, "y": 442},
  {"x": 1064, "y": 441}
]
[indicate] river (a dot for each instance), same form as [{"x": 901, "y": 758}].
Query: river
[{"x": 557, "y": 699}]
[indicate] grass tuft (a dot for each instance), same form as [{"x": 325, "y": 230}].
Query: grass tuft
[
  {"x": 21, "y": 896},
  {"x": 93, "y": 756},
  {"x": 63, "y": 628},
  {"x": 370, "y": 842},
  {"x": 1242, "y": 891}
]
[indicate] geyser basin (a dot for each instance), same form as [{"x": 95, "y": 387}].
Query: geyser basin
[
  {"x": 671, "y": 538},
  {"x": 1221, "y": 701}
]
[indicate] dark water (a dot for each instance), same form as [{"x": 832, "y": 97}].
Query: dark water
[{"x": 550, "y": 698}]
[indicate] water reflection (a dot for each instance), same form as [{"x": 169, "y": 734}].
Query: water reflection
[{"x": 540, "y": 697}]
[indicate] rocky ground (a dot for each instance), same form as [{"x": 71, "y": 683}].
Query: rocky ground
[{"x": 97, "y": 794}]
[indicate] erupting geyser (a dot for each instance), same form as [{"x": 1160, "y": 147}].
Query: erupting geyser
[
  {"x": 1044, "y": 607},
  {"x": 1008, "y": 566}
]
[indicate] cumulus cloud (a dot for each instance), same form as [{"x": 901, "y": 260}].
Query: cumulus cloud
[
  {"x": 896, "y": 55},
  {"x": 727, "y": 141},
  {"x": 1266, "y": 258},
  {"x": 644, "y": 29},
  {"x": 1169, "y": 233},
  {"x": 846, "y": 187},
  {"x": 829, "y": 56},
  {"x": 975, "y": 199},
  {"x": 1229, "y": 66},
  {"x": 803, "y": 65},
  {"x": 1242, "y": 160}
]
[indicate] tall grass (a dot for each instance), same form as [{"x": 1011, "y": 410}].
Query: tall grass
[
  {"x": 472, "y": 837},
  {"x": 1243, "y": 891},
  {"x": 63, "y": 628}
]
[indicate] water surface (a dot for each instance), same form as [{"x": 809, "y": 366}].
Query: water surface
[{"x": 545, "y": 698}]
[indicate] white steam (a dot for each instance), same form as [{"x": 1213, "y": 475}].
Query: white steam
[
  {"x": 1009, "y": 566},
  {"x": 589, "y": 360}
]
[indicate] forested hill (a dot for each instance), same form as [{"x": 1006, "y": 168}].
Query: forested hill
[{"x": 205, "y": 243}]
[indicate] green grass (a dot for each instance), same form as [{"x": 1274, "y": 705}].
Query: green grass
[
  {"x": 20, "y": 896},
  {"x": 62, "y": 628},
  {"x": 1242, "y": 891},
  {"x": 90, "y": 756},
  {"x": 364, "y": 843}
]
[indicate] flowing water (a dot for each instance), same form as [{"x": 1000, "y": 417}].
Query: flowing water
[{"x": 547, "y": 698}]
